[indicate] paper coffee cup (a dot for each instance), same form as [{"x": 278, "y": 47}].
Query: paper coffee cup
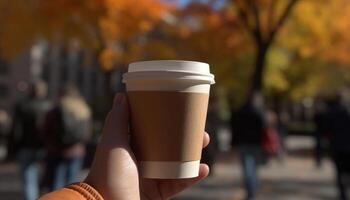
[{"x": 168, "y": 102}]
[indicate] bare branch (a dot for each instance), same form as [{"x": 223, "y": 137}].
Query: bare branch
[
  {"x": 256, "y": 13},
  {"x": 271, "y": 14},
  {"x": 244, "y": 14},
  {"x": 281, "y": 20}
]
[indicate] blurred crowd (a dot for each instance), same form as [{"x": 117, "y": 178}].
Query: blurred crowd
[
  {"x": 48, "y": 139},
  {"x": 259, "y": 131},
  {"x": 332, "y": 136}
]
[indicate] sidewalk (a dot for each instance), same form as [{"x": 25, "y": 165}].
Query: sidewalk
[
  {"x": 10, "y": 185},
  {"x": 297, "y": 178}
]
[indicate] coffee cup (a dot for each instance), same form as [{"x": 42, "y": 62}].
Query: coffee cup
[{"x": 168, "y": 103}]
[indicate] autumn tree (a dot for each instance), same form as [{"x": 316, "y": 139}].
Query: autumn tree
[
  {"x": 100, "y": 25},
  {"x": 18, "y": 20},
  {"x": 282, "y": 63},
  {"x": 263, "y": 19},
  {"x": 217, "y": 34},
  {"x": 315, "y": 42},
  {"x": 310, "y": 53},
  {"x": 104, "y": 28}
]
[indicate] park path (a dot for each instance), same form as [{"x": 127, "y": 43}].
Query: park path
[{"x": 295, "y": 178}]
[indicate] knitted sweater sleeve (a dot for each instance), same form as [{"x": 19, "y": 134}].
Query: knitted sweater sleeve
[{"x": 76, "y": 191}]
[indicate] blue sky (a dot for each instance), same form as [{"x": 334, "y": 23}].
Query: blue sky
[
  {"x": 182, "y": 2},
  {"x": 217, "y": 5}
]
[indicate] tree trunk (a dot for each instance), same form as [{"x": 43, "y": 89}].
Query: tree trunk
[
  {"x": 107, "y": 74},
  {"x": 260, "y": 64}
]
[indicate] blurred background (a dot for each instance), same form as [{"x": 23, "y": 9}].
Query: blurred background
[{"x": 278, "y": 114}]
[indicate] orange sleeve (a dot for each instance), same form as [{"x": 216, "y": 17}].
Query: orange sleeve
[{"x": 76, "y": 191}]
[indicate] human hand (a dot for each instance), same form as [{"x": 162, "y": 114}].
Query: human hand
[{"x": 114, "y": 171}]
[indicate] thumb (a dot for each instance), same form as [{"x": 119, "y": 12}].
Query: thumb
[{"x": 116, "y": 127}]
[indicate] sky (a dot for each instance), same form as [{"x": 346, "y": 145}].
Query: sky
[
  {"x": 218, "y": 3},
  {"x": 182, "y": 2}
]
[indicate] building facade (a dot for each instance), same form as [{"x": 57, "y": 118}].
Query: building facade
[{"x": 57, "y": 66}]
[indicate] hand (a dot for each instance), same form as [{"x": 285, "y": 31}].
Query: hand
[{"x": 114, "y": 172}]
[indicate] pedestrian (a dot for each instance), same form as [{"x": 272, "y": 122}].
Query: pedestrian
[
  {"x": 67, "y": 129},
  {"x": 114, "y": 175},
  {"x": 248, "y": 126},
  {"x": 25, "y": 139},
  {"x": 271, "y": 141},
  {"x": 321, "y": 131},
  {"x": 339, "y": 130},
  {"x": 283, "y": 119}
]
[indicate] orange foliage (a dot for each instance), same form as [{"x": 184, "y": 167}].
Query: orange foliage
[
  {"x": 125, "y": 18},
  {"x": 314, "y": 39},
  {"x": 16, "y": 25},
  {"x": 98, "y": 24}
]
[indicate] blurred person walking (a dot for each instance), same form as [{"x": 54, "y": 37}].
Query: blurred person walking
[
  {"x": 248, "y": 126},
  {"x": 67, "y": 129},
  {"x": 25, "y": 139},
  {"x": 283, "y": 118},
  {"x": 321, "y": 121},
  {"x": 339, "y": 129},
  {"x": 271, "y": 144}
]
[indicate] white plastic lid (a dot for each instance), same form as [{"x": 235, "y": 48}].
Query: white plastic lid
[
  {"x": 170, "y": 65},
  {"x": 169, "y": 70}
]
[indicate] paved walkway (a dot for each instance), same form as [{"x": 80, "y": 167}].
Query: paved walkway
[{"x": 296, "y": 178}]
